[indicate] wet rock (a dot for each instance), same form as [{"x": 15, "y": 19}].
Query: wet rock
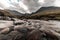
[
  {"x": 19, "y": 22},
  {"x": 7, "y": 30},
  {"x": 22, "y": 30},
  {"x": 4, "y": 31},
  {"x": 1, "y": 36},
  {"x": 12, "y": 35},
  {"x": 34, "y": 35}
]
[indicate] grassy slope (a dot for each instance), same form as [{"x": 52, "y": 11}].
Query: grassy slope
[{"x": 47, "y": 12}]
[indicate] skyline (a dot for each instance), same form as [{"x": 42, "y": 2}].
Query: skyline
[{"x": 25, "y": 6}]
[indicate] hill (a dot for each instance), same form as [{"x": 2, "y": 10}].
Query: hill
[{"x": 47, "y": 12}]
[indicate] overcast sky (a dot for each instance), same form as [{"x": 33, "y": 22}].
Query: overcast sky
[
  {"x": 27, "y": 6},
  {"x": 57, "y": 3}
]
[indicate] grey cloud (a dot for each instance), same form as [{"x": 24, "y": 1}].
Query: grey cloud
[
  {"x": 48, "y": 3},
  {"x": 28, "y": 6}
]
